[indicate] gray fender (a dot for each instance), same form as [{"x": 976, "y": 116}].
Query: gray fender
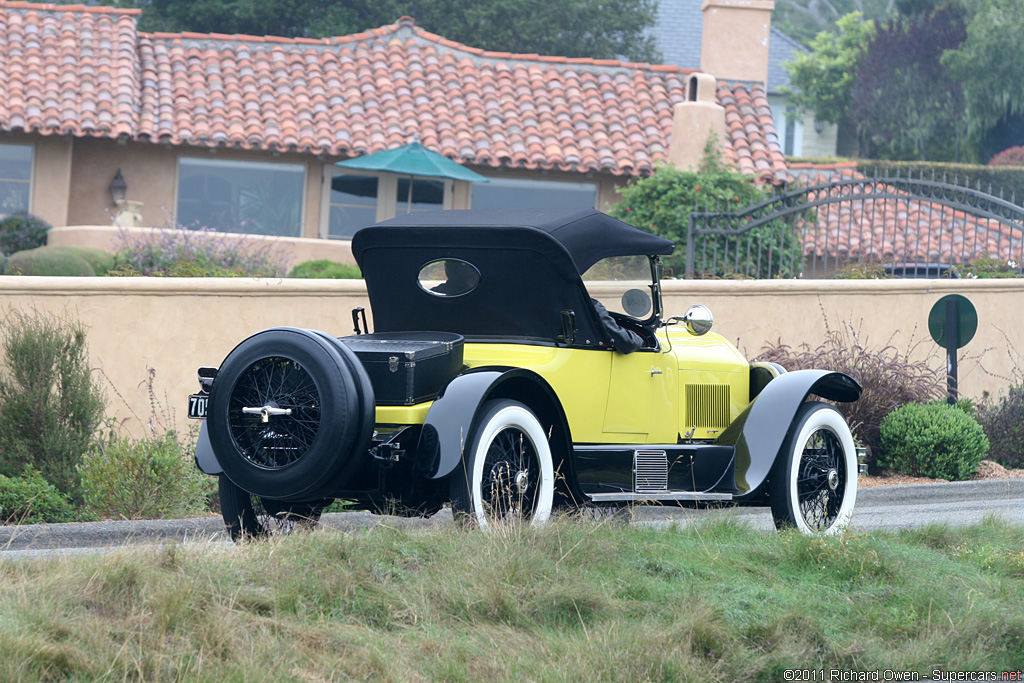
[
  {"x": 759, "y": 432},
  {"x": 448, "y": 427},
  {"x": 206, "y": 459}
]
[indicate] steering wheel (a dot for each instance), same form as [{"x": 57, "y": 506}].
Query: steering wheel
[{"x": 650, "y": 341}]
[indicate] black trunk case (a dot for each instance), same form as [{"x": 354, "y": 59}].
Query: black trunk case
[{"x": 406, "y": 368}]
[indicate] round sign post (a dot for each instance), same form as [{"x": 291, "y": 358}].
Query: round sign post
[{"x": 952, "y": 323}]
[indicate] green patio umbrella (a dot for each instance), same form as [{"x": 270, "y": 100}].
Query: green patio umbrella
[{"x": 414, "y": 160}]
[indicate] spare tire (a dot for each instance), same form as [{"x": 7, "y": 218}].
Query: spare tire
[{"x": 289, "y": 415}]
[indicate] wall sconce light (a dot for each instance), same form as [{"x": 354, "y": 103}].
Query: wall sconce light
[
  {"x": 118, "y": 188},
  {"x": 818, "y": 126}
]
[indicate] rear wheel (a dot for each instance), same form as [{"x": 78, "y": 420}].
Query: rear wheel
[
  {"x": 248, "y": 516},
  {"x": 507, "y": 473},
  {"x": 290, "y": 414},
  {"x": 813, "y": 485}
]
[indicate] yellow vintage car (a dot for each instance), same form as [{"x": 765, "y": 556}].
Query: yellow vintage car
[{"x": 520, "y": 362}]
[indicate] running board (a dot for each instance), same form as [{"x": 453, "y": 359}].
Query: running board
[{"x": 654, "y": 497}]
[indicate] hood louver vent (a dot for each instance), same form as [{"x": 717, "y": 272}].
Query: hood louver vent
[{"x": 707, "y": 406}]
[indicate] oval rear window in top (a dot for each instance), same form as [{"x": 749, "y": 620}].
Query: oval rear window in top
[{"x": 449, "y": 277}]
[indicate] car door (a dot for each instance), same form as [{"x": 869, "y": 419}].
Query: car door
[{"x": 642, "y": 398}]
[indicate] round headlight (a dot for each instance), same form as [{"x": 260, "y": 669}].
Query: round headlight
[{"x": 698, "y": 319}]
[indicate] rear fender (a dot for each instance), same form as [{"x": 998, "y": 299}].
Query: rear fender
[
  {"x": 760, "y": 430},
  {"x": 206, "y": 459},
  {"x": 448, "y": 427}
]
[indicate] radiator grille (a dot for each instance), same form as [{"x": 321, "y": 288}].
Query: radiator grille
[
  {"x": 707, "y": 406},
  {"x": 650, "y": 471}
]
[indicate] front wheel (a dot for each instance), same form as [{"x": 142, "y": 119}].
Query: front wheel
[
  {"x": 507, "y": 474},
  {"x": 813, "y": 485},
  {"x": 247, "y": 516}
]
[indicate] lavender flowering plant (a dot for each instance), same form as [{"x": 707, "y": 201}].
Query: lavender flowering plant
[
  {"x": 20, "y": 231},
  {"x": 197, "y": 251}
]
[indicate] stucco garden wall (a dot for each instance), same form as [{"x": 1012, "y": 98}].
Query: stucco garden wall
[
  {"x": 297, "y": 249},
  {"x": 176, "y": 325}
]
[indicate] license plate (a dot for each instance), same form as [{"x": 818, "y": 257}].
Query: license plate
[{"x": 197, "y": 406}]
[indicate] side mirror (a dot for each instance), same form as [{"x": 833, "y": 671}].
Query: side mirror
[{"x": 568, "y": 326}]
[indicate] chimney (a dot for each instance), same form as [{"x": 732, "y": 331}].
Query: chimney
[
  {"x": 694, "y": 121},
  {"x": 734, "y": 42}
]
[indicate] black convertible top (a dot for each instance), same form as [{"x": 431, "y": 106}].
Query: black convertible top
[
  {"x": 530, "y": 264},
  {"x": 588, "y": 235}
]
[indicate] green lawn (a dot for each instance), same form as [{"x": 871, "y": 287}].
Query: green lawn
[{"x": 574, "y": 601}]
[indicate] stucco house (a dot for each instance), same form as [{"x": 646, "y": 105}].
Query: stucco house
[{"x": 236, "y": 131}]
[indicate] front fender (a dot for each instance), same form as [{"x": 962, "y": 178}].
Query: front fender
[
  {"x": 759, "y": 432},
  {"x": 449, "y": 422}
]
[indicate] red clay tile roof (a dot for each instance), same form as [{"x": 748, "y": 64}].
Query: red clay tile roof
[
  {"x": 753, "y": 142},
  {"x": 68, "y": 70},
  {"x": 75, "y": 70},
  {"x": 897, "y": 228}
]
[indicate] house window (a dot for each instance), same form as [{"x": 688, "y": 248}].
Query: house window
[
  {"x": 790, "y": 129},
  {"x": 15, "y": 178},
  {"x": 515, "y": 193},
  {"x": 355, "y": 199},
  {"x": 241, "y": 196},
  {"x": 419, "y": 194},
  {"x": 353, "y": 204}
]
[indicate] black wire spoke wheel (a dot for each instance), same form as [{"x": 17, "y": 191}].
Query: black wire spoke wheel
[
  {"x": 511, "y": 473},
  {"x": 821, "y": 481},
  {"x": 274, "y": 413},
  {"x": 813, "y": 483},
  {"x": 249, "y": 517},
  {"x": 507, "y": 473},
  {"x": 291, "y": 414}
]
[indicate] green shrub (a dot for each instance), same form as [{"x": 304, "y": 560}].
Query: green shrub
[
  {"x": 987, "y": 267},
  {"x": 888, "y": 377},
  {"x": 53, "y": 261},
  {"x": 149, "y": 478},
  {"x": 49, "y": 400},
  {"x": 1003, "y": 421},
  {"x": 185, "y": 268},
  {"x": 21, "y": 231},
  {"x": 933, "y": 440},
  {"x": 100, "y": 260},
  {"x": 326, "y": 269},
  {"x": 200, "y": 252},
  {"x": 861, "y": 271},
  {"x": 30, "y": 499},
  {"x": 662, "y": 203}
]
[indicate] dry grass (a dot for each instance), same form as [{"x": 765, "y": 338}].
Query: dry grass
[{"x": 572, "y": 601}]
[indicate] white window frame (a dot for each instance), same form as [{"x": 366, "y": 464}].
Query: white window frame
[
  {"x": 31, "y": 173},
  {"x": 243, "y": 162},
  {"x": 780, "y": 106}
]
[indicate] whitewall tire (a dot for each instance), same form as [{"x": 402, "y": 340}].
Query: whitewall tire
[
  {"x": 813, "y": 485},
  {"x": 507, "y": 473}
]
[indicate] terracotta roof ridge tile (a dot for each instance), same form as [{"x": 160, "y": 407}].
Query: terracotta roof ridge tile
[
  {"x": 54, "y": 7},
  {"x": 423, "y": 34}
]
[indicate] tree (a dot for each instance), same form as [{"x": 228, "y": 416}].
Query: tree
[
  {"x": 904, "y": 103},
  {"x": 990, "y": 65},
  {"x": 605, "y": 29},
  {"x": 822, "y": 78},
  {"x": 802, "y": 20}
]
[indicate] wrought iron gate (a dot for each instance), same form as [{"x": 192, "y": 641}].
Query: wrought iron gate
[{"x": 920, "y": 226}]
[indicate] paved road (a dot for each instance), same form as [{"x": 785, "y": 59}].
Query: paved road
[{"x": 882, "y": 507}]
